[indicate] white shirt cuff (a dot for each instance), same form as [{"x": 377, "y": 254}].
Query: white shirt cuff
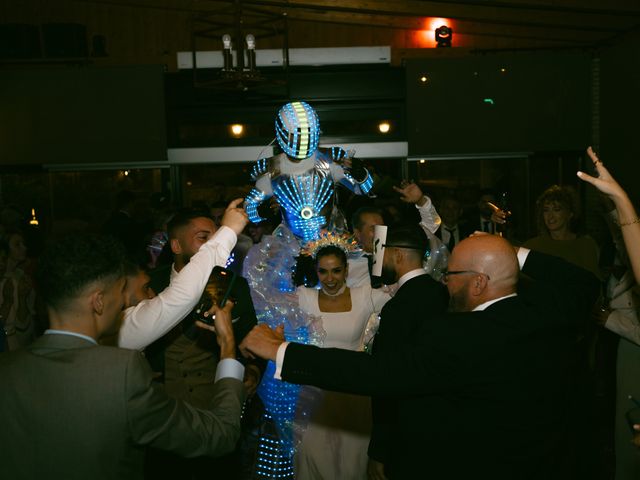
[
  {"x": 229, "y": 368},
  {"x": 523, "y": 253},
  {"x": 280, "y": 360},
  {"x": 427, "y": 203}
]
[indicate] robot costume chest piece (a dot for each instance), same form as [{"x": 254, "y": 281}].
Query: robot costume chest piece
[{"x": 305, "y": 201}]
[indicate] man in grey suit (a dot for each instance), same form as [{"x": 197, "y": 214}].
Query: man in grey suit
[{"x": 72, "y": 409}]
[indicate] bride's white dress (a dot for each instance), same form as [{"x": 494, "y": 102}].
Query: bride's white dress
[{"x": 334, "y": 444}]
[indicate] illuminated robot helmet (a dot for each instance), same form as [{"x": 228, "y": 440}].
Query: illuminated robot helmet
[{"x": 297, "y": 129}]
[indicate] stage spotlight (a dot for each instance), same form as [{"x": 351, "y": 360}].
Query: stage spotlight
[
  {"x": 424, "y": 79},
  {"x": 443, "y": 36}
]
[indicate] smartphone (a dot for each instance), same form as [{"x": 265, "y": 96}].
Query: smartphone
[{"x": 218, "y": 290}]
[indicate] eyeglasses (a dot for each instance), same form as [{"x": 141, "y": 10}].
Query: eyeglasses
[{"x": 447, "y": 273}]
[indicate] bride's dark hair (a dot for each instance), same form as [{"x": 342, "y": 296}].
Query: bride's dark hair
[{"x": 304, "y": 272}]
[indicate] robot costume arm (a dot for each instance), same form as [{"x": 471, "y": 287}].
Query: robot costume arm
[
  {"x": 352, "y": 175},
  {"x": 260, "y": 192}
]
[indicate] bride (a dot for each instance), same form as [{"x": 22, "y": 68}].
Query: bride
[{"x": 334, "y": 443}]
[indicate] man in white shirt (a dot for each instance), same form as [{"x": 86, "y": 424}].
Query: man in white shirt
[
  {"x": 185, "y": 357},
  {"x": 145, "y": 320}
]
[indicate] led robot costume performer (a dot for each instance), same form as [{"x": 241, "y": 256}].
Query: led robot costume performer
[{"x": 302, "y": 179}]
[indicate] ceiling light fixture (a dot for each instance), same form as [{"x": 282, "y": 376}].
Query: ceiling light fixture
[{"x": 237, "y": 129}]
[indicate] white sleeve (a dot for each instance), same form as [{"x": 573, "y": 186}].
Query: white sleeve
[
  {"x": 282, "y": 349},
  {"x": 624, "y": 322},
  {"x": 380, "y": 297},
  {"x": 151, "y": 319},
  {"x": 229, "y": 368},
  {"x": 429, "y": 217}
]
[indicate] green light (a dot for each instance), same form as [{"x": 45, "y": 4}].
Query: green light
[{"x": 489, "y": 100}]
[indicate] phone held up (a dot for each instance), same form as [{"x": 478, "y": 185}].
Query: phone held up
[{"x": 218, "y": 290}]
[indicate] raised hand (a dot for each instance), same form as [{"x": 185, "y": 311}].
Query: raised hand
[
  {"x": 604, "y": 181},
  {"x": 410, "y": 192},
  {"x": 628, "y": 219},
  {"x": 235, "y": 217}
]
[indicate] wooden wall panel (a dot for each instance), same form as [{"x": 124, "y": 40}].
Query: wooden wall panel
[{"x": 151, "y": 32}]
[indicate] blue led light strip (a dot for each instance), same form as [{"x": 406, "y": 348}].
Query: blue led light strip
[
  {"x": 252, "y": 201},
  {"x": 294, "y": 194},
  {"x": 258, "y": 169},
  {"x": 367, "y": 184}
]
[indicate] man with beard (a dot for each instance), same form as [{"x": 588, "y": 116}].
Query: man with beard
[
  {"x": 185, "y": 358},
  {"x": 482, "y": 390},
  {"x": 365, "y": 219},
  {"x": 402, "y": 263}
]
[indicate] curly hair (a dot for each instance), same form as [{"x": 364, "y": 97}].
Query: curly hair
[
  {"x": 564, "y": 196},
  {"x": 68, "y": 265}
]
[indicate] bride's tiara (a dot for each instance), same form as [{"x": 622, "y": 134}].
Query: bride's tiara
[{"x": 343, "y": 241}]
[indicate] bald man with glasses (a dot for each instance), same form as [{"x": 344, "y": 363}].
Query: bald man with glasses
[{"x": 492, "y": 376}]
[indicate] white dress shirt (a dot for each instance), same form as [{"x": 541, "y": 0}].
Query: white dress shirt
[{"x": 146, "y": 322}]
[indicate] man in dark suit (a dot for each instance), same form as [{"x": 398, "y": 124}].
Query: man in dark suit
[
  {"x": 72, "y": 409},
  {"x": 453, "y": 228},
  {"x": 405, "y": 247},
  {"x": 491, "y": 378},
  {"x": 185, "y": 356}
]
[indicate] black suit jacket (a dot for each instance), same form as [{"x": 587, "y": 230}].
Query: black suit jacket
[
  {"x": 464, "y": 230},
  {"x": 400, "y": 325},
  {"x": 488, "y": 390}
]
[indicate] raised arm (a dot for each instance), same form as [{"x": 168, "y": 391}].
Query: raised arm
[
  {"x": 628, "y": 218},
  {"x": 411, "y": 193},
  {"x": 349, "y": 171},
  {"x": 151, "y": 319}
]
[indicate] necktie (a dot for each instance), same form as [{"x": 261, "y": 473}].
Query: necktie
[
  {"x": 375, "y": 281},
  {"x": 452, "y": 239}
]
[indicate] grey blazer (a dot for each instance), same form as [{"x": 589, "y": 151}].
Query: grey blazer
[{"x": 70, "y": 409}]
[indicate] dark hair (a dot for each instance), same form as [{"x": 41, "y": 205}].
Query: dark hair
[
  {"x": 566, "y": 197},
  {"x": 304, "y": 271},
  {"x": 69, "y": 264},
  {"x": 356, "y": 219},
  {"x": 183, "y": 217},
  {"x": 409, "y": 236},
  {"x": 132, "y": 266},
  {"x": 331, "y": 250}
]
